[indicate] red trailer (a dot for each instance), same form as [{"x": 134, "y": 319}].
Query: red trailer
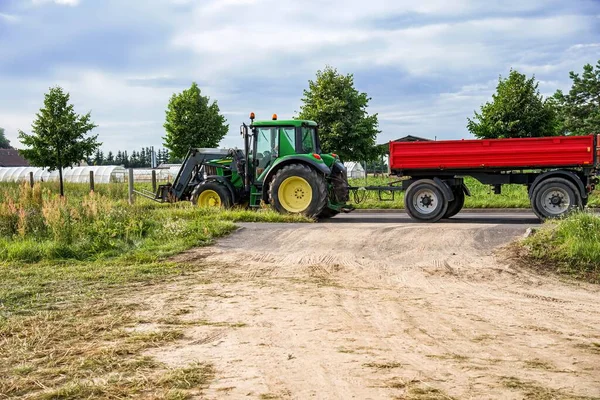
[{"x": 559, "y": 172}]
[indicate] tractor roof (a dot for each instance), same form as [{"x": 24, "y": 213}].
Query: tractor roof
[{"x": 287, "y": 122}]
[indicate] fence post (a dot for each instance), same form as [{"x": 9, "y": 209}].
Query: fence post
[
  {"x": 31, "y": 179},
  {"x": 130, "y": 180},
  {"x": 154, "y": 181},
  {"x": 91, "y": 181}
]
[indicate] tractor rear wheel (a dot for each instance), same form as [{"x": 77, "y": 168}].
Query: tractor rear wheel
[
  {"x": 298, "y": 189},
  {"x": 211, "y": 195}
]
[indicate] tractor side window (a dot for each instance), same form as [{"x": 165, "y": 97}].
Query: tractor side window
[
  {"x": 308, "y": 142},
  {"x": 288, "y": 140},
  {"x": 265, "y": 145}
]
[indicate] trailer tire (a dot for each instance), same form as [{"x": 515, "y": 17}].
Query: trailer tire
[
  {"x": 554, "y": 198},
  {"x": 424, "y": 201},
  {"x": 298, "y": 189},
  {"x": 212, "y": 194},
  {"x": 457, "y": 204}
]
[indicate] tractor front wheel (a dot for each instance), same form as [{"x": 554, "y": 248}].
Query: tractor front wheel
[
  {"x": 298, "y": 189},
  {"x": 211, "y": 195}
]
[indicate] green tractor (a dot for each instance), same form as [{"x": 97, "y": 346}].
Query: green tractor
[{"x": 281, "y": 165}]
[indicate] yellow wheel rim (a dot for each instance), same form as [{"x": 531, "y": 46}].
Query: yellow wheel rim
[
  {"x": 295, "y": 194},
  {"x": 209, "y": 198}
]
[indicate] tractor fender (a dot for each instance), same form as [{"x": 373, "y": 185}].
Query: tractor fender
[
  {"x": 444, "y": 188},
  {"x": 223, "y": 181},
  {"x": 561, "y": 173},
  {"x": 319, "y": 167},
  {"x": 339, "y": 166}
]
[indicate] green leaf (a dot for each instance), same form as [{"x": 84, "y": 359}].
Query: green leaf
[
  {"x": 517, "y": 110},
  {"x": 345, "y": 127},
  {"x": 192, "y": 121}
]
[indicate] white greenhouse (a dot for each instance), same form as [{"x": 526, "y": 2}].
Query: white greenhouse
[
  {"x": 162, "y": 174},
  {"x": 355, "y": 170},
  {"x": 102, "y": 174}
]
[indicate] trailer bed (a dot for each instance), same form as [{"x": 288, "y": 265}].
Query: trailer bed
[{"x": 519, "y": 153}]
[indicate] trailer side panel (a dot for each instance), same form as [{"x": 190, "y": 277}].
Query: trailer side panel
[{"x": 520, "y": 153}]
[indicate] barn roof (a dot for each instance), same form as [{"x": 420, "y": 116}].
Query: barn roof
[
  {"x": 12, "y": 158},
  {"x": 411, "y": 138}
]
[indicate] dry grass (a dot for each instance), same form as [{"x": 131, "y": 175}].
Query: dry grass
[
  {"x": 382, "y": 365},
  {"x": 533, "y": 391},
  {"x": 417, "y": 390},
  {"x": 89, "y": 350},
  {"x": 539, "y": 364}
]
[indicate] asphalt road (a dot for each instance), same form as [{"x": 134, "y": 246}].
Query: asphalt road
[{"x": 517, "y": 217}]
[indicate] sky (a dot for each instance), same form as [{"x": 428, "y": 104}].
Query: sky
[{"x": 427, "y": 65}]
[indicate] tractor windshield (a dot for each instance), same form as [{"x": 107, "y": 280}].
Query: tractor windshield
[{"x": 309, "y": 140}]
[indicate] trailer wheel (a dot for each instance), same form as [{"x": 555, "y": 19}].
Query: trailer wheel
[
  {"x": 298, "y": 189},
  {"x": 554, "y": 198},
  {"x": 424, "y": 201},
  {"x": 211, "y": 195},
  {"x": 457, "y": 204}
]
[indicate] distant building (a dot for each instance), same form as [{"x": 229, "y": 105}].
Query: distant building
[
  {"x": 12, "y": 158},
  {"x": 411, "y": 138},
  {"x": 355, "y": 169}
]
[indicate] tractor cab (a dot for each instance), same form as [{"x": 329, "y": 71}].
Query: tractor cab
[
  {"x": 271, "y": 140},
  {"x": 275, "y": 139}
]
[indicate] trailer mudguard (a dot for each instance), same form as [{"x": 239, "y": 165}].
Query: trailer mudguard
[
  {"x": 318, "y": 166},
  {"x": 445, "y": 189},
  {"x": 561, "y": 173},
  {"x": 466, "y": 190}
]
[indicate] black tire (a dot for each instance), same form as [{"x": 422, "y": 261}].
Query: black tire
[
  {"x": 457, "y": 204},
  {"x": 317, "y": 184},
  {"x": 554, "y": 198},
  {"x": 220, "y": 189},
  {"x": 424, "y": 201}
]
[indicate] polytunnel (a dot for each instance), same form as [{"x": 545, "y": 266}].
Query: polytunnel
[
  {"x": 145, "y": 175},
  {"x": 102, "y": 174}
]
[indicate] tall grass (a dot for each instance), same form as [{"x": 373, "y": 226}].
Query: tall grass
[
  {"x": 36, "y": 224},
  {"x": 568, "y": 246}
]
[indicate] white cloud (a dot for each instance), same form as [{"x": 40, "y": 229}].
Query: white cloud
[
  {"x": 71, "y": 3},
  {"x": 9, "y": 18}
]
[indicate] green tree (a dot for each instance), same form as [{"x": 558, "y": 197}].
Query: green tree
[
  {"x": 192, "y": 121},
  {"x": 579, "y": 110},
  {"x": 59, "y": 135},
  {"x": 345, "y": 127},
  {"x": 4, "y": 142},
  {"x": 517, "y": 110}
]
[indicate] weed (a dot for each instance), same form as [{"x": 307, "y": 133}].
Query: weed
[
  {"x": 533, "y": 391},
  {"x": 592, "y": 347},
  {"x": 449, "y": 356},
  {"x": 538, "y": 364},
  {"x": 383, "y": 365},
  {"x": 570, "y": 246},
  {"x": 197, "y": 375}
]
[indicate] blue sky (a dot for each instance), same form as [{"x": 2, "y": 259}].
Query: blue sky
[{"x": 427, "y": 65}]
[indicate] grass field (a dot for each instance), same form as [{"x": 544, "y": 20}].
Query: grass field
[
  {"x": 65, "y": 264},
  {"x": 482, "y": 196},
  {"x": 570, "y": 246}
]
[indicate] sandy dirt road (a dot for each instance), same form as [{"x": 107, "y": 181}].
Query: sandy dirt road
[{"x": 380, "y": 310}]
